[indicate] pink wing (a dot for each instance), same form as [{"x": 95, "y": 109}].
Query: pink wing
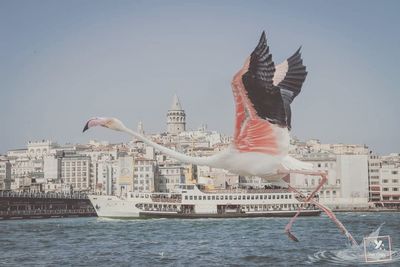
[{"x": 252, "y": 133}]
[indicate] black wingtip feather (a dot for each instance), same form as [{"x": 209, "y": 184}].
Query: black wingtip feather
[{"x": 263, "y": 39}]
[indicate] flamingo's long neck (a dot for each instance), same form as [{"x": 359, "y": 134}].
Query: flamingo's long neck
[{"x": 172, "y": 153}]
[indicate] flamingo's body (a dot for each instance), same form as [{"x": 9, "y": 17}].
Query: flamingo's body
[{"x": 263, "y": 93}]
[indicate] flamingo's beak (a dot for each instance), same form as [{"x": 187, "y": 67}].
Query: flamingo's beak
[
  {"x": 97, "y": 121},
  {"x": 86, "y": 127}
]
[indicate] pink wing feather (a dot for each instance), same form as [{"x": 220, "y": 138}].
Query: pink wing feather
[{"x": 252, "y": 133}]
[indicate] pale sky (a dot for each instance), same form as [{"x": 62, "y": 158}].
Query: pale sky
[{"x": 62, "y": 62}]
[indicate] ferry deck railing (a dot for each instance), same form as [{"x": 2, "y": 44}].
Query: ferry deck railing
[{"x": 14, "y": 194}]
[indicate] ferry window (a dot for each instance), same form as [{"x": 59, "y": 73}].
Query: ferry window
[
  {"x": 186, "y": 197},
  {"x": 230, "y": 197},
  {"x": 199, "y": 197},
  {"x": 213, "y": 197},
  {"x": 273, "y": 197},
  {"x": 248, "y": 197},
  {"x": 234, "y": 197},
  {"x": 282, "y": 197},
  {"x": 286, "y": 196},
  {"x": 256, "y": 197},
  {"x": 217, "y": 197},
  {"x": 226, "y": 197},
  {"x": 243, "y": 197},
  {"x": 277, "y": 197},
  {"x": 191, "y": 197},
  {"x": 208, "y": 197},
  {"x": 239, "y": 197},
  {"x": 252, "y": 197},
  {"x": 290, "y": 196},
  {"x": 195, "y": 197}
]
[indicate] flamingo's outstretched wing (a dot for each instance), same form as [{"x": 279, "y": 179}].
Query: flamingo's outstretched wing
[
  {"x": 259, "y": 103},
  {"x": 289, "y": 77}
]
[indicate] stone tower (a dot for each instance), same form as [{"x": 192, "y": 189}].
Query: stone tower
[{"x": 176, "y": 118}]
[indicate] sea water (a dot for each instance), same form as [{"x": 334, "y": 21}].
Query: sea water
[{"x": 191, "y": 242}]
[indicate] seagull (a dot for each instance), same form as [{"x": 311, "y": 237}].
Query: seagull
[{"x": 262, "y": 93}]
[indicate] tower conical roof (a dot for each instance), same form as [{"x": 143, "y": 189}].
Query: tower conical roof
[{"x": 176, "y": 105}]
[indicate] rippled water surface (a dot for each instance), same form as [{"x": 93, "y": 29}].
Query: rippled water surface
[{"x": 201, "y": 242}]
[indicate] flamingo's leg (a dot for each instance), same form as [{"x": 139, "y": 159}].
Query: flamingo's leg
[
  {"x": 310, "y": 199},
  {"x": 307, "y": 200}
]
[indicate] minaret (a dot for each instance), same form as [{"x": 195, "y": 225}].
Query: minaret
[
  {"x": 176, "y": 117},
  {"x": 140, "y": 128}
]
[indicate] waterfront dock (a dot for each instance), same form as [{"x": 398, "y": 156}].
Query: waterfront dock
[{"x": 29, "y": 205}]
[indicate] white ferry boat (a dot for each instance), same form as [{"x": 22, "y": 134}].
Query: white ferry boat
[{"x": 188, "y": 201}]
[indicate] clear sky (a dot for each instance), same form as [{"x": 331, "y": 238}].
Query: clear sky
[{"x": 62, "y": 62}]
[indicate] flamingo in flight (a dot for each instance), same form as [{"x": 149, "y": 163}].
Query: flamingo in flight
[{"x": 263, "y": 93}]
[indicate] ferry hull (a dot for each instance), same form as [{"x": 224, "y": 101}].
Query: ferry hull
[{"x": 228, "y": 215}]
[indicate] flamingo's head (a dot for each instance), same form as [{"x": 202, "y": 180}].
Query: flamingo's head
[{"x": 111, "y": 123}]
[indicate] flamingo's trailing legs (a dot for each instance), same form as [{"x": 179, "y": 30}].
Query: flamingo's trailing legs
[
  {"x": 263, "y": 93},
  {"x": 310, "y": 199}
]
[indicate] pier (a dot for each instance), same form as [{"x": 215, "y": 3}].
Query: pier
[{"x": 32, "y": 205}]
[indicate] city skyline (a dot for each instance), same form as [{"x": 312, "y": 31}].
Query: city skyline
[{"x": 65, "y": 62}]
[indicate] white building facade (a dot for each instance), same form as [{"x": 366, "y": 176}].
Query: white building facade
[
  {"x": 5, "y": 175},
  {"x": 169, "y": 176},
  {"x": 75, "y": 172},
  {"x": 390, "y": 184},
  {"x": 145, "y": 173},
  {"x": 347, "y": 185}
]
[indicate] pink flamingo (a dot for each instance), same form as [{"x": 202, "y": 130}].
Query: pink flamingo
[{"x": 263, "y": 93}]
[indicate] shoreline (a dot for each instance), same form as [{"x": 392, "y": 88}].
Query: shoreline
[{"x": 366, "y": 210}]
